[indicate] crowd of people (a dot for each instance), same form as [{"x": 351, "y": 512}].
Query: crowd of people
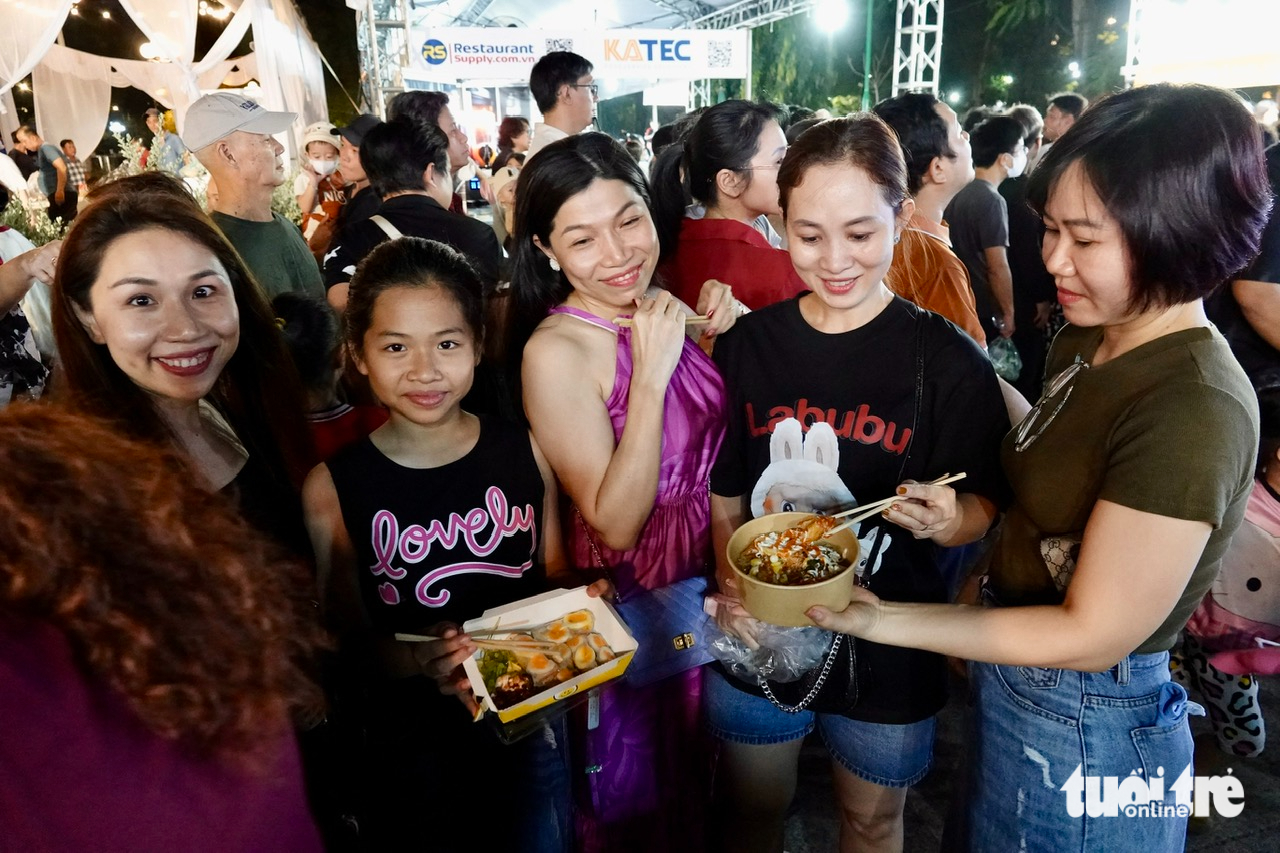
[{"x": 253, "y": 453}]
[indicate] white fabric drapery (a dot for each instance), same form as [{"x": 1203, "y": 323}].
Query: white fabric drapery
[
  {"x": 71, "y": 106},
  {"x": 169, "y": 24},
  {"x": 26, "y": 31},
  {"x": 8, "y": 116},
  {"x": 287, "y": 55},
  {"x": 73, "y": 88},
  {"x": 231, "y": 37}
]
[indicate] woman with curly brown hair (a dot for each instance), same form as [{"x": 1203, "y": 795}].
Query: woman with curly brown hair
[
  {"x": 149, "y": 649},
  {"x": 161, "y": 330}
]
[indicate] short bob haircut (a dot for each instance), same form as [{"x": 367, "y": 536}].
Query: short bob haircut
[
  {"x": 862, "y": 141},
  {"x": 556, "y": 69},
  {"x": 1191, "y": 205},
  {"x": 258, "y": 392},
  {"x": 511, "y": 127},
  {"x": 395, "y": 154}
]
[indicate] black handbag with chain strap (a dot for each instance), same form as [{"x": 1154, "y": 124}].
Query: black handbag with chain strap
[{"x": 832, "y": 687}]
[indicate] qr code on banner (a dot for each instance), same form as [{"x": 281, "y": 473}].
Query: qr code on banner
[
  {"x": 719, "y": 54},
  {"x": 559, "y": 44}
]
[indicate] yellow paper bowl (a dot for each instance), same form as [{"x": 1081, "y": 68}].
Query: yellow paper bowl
[{"x": 786, "y": 605}]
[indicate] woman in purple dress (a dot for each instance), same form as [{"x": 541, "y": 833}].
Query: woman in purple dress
[{"x": 630, "y": 420}]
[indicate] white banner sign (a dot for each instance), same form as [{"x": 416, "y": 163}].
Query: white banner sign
[{"x": 447, "y": 54}]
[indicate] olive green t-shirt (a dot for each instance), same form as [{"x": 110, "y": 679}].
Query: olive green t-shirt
[
  {"x": 1169, "y": 428},
  {"x": 275, "y": 253}
]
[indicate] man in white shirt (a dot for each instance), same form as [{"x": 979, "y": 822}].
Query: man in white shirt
[{"x": 566, "y": 94}]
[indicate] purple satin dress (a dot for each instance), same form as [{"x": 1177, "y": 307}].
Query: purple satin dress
[{"x": 643, "y": 774}]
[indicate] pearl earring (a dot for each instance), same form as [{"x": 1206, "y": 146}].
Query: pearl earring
[{"x": 555, "y": 265}]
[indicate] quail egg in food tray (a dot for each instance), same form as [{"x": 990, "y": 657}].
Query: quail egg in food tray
[{"x": 560, "y": 643}]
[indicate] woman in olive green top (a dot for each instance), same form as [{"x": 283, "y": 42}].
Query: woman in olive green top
[{"x": 1130, "y": 476}]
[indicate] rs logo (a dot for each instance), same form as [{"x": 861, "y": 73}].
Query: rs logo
[{"x": 434, "y": 51}]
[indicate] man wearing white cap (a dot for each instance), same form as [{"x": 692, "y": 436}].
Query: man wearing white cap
[{"x": 232, "y": 137}]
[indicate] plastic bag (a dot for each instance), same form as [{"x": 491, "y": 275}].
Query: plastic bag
[
  {"x": 1005, "y": 359},
  {"x": 785, "y": 654}
]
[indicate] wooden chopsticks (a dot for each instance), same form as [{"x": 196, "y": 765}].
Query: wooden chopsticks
[
  {"x": 868, "y": 510},
  {"x": 526, "y": 646},
  {"x": 689, "y": 320}
]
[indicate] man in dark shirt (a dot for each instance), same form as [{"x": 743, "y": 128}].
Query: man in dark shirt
[
  {"x": 1247, "y": 310},
  {"x": 25, "y": 160},
  {"x": 433, "y": 109},
  {"x": 408, "y": 166},
  {"x": 980, "y": 221},
  {"x": 1034, "y": 291}
]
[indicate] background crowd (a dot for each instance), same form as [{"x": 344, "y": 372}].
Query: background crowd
[{"x": 273, "y": 428}]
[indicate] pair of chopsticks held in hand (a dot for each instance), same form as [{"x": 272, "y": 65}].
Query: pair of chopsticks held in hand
[{"x": 858, "y": 513}]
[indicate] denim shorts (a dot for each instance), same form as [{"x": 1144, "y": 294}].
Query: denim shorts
[
  {"x": 887, "y": 755},
  {"x": 1033, "y": 727}
]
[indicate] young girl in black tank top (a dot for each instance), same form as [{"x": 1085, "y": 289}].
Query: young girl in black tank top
[{"x": 432, "y": 519}]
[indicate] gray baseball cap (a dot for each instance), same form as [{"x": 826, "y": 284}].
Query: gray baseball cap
[{"x": 221, "y": 114}]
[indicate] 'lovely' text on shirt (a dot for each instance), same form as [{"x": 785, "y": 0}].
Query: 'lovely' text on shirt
[{"x": 415, "y": 542}]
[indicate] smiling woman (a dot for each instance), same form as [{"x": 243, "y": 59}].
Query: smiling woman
[
  {"x": 162, "y": 331},
  {"x": 1130, "y": 476},
  {"x": 630, "y": 419},
  {"x": 862, "y": 391}
]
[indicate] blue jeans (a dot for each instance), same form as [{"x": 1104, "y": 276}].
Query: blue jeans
[
  {"x": 893, "y": 756},
  {"x": 1033, "y": 727}
]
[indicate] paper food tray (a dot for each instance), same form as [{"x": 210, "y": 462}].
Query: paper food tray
[{"x": 537, "y": 611}]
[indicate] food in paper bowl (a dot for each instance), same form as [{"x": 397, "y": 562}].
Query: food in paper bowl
[
  {"x": 794, "y": 556},
  {"x": 787, "y": 562}
]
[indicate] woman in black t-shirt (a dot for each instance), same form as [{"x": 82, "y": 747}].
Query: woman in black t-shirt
[
  {"x": 836, "y": 398},
  {"x": 435, "y": 517}
]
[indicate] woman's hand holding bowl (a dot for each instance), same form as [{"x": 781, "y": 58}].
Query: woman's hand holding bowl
[{"x": 859, "y": 619}]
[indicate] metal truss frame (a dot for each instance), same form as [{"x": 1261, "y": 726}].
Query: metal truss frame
[
  {"x": 751, "y": 14},
  {"x": 917, "y": 52},
  {"x": 382, "y": 34}
]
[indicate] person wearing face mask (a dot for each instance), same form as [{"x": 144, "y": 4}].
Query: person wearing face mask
[
  {"x": 318, "y": 187},
  {"x": 979, "y": 220}
]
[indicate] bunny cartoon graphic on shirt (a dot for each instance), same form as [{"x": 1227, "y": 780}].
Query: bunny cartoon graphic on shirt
[{"x": 803, "y": 476}]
